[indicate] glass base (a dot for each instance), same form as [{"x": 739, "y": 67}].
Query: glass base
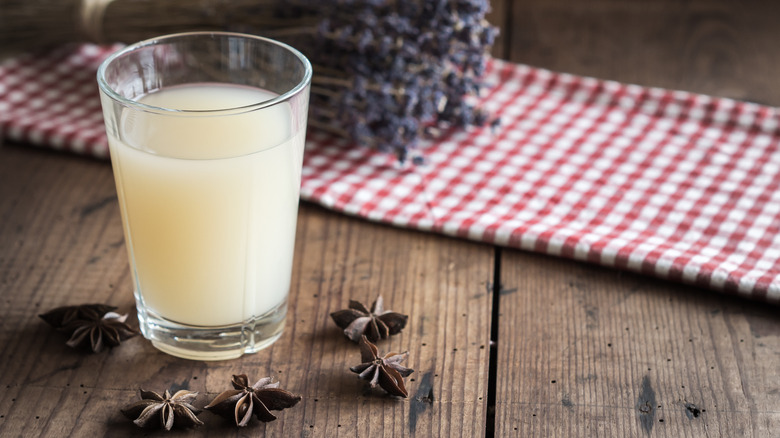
[{"x": 212, "y": 343}]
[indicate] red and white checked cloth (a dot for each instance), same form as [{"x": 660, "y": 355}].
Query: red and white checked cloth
[{"x": 668, "y": 183}]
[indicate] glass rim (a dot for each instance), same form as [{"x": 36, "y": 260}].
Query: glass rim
[{"x": 110, "y": 92}]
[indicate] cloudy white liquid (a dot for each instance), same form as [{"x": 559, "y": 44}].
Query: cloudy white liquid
[{"x": 209, "y": 203}]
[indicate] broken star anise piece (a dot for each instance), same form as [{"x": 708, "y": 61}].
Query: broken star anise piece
[
  {"x": 164, "y": 411},
  {"x": 90, "y": 325},
  {"x": 375, "y": 324},
  {"x": 260, "y": 399},
  {"x": 387, "y": 371}
]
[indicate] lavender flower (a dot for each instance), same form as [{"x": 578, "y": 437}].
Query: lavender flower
[{"x": 385, "y": 71}]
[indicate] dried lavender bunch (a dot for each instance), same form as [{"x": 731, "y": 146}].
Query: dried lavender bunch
[
  {"x": 390, "y": 71},
  {"x": 386, "y": 72}
]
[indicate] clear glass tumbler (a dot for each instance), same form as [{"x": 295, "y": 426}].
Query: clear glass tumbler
[{"x": 206, "y": 133}]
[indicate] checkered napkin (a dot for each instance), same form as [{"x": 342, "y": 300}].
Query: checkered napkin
[{"x": 667, "y": 183}]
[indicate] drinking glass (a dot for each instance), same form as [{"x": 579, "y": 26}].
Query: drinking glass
[{"x": 206, "y": 134}]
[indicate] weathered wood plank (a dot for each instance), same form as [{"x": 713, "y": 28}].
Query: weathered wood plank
[
  {"x": 61, "y": 243},
  {"x": 439, "y": 282},
  {"x": 588, "y": 351},
  {"x": 716, "y": 47},
  {"x": 500, "y": 16}
]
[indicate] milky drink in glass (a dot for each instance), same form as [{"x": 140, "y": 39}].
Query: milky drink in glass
[{"x": 208, "y": 177}]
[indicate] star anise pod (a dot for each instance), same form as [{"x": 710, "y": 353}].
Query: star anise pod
[
  {"x": 375, "y": 324},
  {"x": 164, "y": 411},
  {"x": 385, "y": 371},
  {"x": 90, "y": 325},
  {"x": 61, "y": 316},
  {"x": 260, "y": 399}
]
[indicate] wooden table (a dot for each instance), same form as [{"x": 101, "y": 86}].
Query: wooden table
[{"x": 503, "y": 342}]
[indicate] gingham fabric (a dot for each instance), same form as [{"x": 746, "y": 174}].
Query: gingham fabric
[{"x": 671, "y": 184}]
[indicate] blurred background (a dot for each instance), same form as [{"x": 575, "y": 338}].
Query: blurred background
[{"x": 718, "y": 47}]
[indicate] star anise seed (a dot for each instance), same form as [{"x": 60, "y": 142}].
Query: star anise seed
[
  {"x": 375, "y": 324},
  {"x": 164, "y": 411},
  {"x": 238, "y": 404},
  {"x": 90, "y": 325},
  {"x": 386, "y": 371}
]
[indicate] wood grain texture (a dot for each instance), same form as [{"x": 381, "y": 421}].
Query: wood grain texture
[
  {"x": 581, "y": 350},
  {"x": 718, "y": 47},
  {"x": 500, "y": 16},
  {"x": 61, "y": 243},
  {"x": 587, "y": 351},
  {"x": 440, "y": 283}
]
